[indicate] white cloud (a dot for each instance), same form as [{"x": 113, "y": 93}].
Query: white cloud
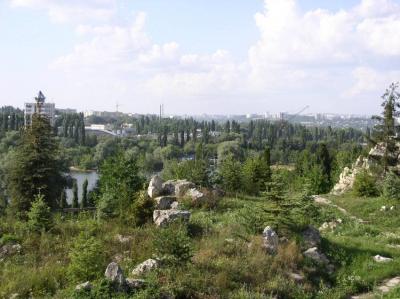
[
  {"x": 63, "y": 11},
  {"x": 331, "y": 56}
]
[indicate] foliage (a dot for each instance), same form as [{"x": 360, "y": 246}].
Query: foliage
[
  {"x": 230, "y": 172},
  {"x": 75, "y": 198},
  {"x": 173, "y": 246},
  {"x": 365, "y": 185},
  {"x": 142, "y": 209},
  {"x": 35, "y": 167},
  {"x": 84, "y": 202},
  {"x": 39, "y": 216},
  {"x": 87, "y": 260},
  {"x": 391, "y": 186},
  {"x": 119, "y": 183}
]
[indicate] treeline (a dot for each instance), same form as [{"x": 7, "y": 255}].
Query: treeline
[
  {"x": 72, "y": 126},
  {"x": 11, "y": 119}
]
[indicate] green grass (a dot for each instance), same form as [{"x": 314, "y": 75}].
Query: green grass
[{"x": 228, "y": 260}]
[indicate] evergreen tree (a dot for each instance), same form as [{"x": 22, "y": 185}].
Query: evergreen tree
[
  {"x": 84, "y": 202},
  {"x": 39, "y": 216},
  {"x": 63, "y": 200},
  {"x": 387, "y": 130},
  {"x": 75, "y": 199},
  {"x": 35, "y": 167}
]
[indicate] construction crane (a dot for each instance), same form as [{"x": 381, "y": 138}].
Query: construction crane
[{"x": 297, "y": 113}]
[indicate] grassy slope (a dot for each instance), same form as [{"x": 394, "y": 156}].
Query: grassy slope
[{"x": 228, "y": 261}]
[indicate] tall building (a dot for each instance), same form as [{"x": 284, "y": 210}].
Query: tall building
[{"x": 46, "y": 109}]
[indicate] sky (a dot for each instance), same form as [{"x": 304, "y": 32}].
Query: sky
[{"x": 200, "y": 56}]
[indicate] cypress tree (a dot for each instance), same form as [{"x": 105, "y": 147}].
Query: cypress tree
[
  {"x": 75, "y": 200},
  {"x": 84, "y": 202}
]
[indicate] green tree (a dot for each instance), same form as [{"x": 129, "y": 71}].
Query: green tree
[
  {"x": 75, "y": 199},
  {"x": 84, "y": 202},
  {"x": 63, "y": 200},
  {"x": 35, "y": 167},
  {"x": 386, "y": 130},
  {"x": 119, "y": 183},
  {"x": 39, "y": 216},
  {"x": 230, "y": 172},
  {"x": 365, "y": 185}
]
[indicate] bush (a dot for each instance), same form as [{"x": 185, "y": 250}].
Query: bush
[
  {"x": 365, "y": 185},
  {"x": 173, "y": 246},
  {"x": 142, "y": 208},
  {"x": 87, "y": 259},
  {"x": 39, "y": 216},
  {"x": 391, "y": 186}
]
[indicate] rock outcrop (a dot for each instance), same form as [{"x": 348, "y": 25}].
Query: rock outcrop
[
  {"x": 164, "y": 202},
  {"x": 155, "y": 187},
  {"x": 318, "y": 257},
  {"x": 164, "y": 217},
  {"x": 9, "y": 250},
  {"x": 311, "y": 237},
  {"x": 86, "y": 286}
]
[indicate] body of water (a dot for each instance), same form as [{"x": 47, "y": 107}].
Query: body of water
[{"x": 80, "y": 177}]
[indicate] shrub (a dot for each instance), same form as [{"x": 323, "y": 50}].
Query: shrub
[
  {"x": 39, "y": 216},
  {"x": 365, "y": 185},
  {"x": 391, "y": 186},
  {"x": 173, "y": 245},
  {"x": 87, "y": 259},
  {"x": 142, "y": 208}
]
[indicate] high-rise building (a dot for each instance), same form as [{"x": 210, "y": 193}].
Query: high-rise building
[{"x": 46, "y": 109}]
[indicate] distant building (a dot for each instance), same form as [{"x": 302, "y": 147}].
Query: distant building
[
  {"x": 46, "y": 109},
  {"x": 66, "y": 111}
]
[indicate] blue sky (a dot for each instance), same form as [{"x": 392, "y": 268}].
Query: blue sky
[{"x": 200, "y": 56}]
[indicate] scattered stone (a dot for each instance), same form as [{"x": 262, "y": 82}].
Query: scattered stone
[
  {"x": 316, "y": 256},
  {"x": 169, "y": 187},
  {"x": 181, "y": 187},
  {"x": 330, "y": 225},
  {"x": 114, "y": 274},
  {"x": 86, "y": 286},
  {"x": 382, "y": 259},
  {"x": 164, "y": 217},
  {"x": 14, "y": 296},
  {"x": 155, "y": 187},
  {"x": 299, "y": 278},
  {"x": 164, "y": 202},
  {"x": 196, "y": 196},
  {"x": 10, "y": 249},
  {"x": 270, "y": 240},
  {"x": 145, "y": 267},
  {"x": 392, "y": 208},
  {"x": 311, "y": 237},
  {"x": 135, "y": 284},
  {"x": 123, "y": 239},
  {"x": 217, "y": 192},
  {"x": 383, "y": 209}
]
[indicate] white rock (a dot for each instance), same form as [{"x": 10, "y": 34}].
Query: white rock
[
  {"x": 155, "y": 187},
  {"x": 84, "y": 286},
  {"x": 114, "y": 274},
  {"x": 382, "y": 259},
  {"x": 175, "y": 205},
  {"x": 164, "y": 217},
  {"x": 181, "y": 187},
  {"x": 383, "y": 208},
  {"x": 270, "y": 240},
  {"x": 196, "y": 196},
  {"x": 392, "y": 208},
  {"x": 145, "y": 267},
  {"x": 134, "y": 284}
]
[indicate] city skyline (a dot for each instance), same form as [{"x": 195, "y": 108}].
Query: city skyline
[{"x": 196, "y": 58}]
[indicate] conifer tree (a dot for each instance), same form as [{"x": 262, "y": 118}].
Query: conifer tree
[
  {"x": 84, "y": 202},
  {"x": 75, "y": 199},
  {"x": 35, "y": 167}
]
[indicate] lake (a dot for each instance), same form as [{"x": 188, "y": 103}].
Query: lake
[{"x": 91, "y": 176}]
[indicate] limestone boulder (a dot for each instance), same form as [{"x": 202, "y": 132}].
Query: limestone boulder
[
  {"x": 9, "y": 250},
  {"x": 164, "y": 217},
  {"x": 270, "y": 240},
  {"x": 114, "y": 274},
  {"x": 145, "y": 267},
  {"x": 381, "y": 259},
  {"x": 86, "y": 286},
  {"x": 164, "y": 202},
  {"x": 155, "y": 187},
  {"x": 169, "y": 187},
  {"x": 316, "y": 256},
  {"x": 135, "y": 284},
  {"x": 182, "y": 187},
  {"x": 196, "y": 196}
]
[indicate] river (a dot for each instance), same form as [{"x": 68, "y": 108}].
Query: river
[{"x": 80, "y": 177}]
